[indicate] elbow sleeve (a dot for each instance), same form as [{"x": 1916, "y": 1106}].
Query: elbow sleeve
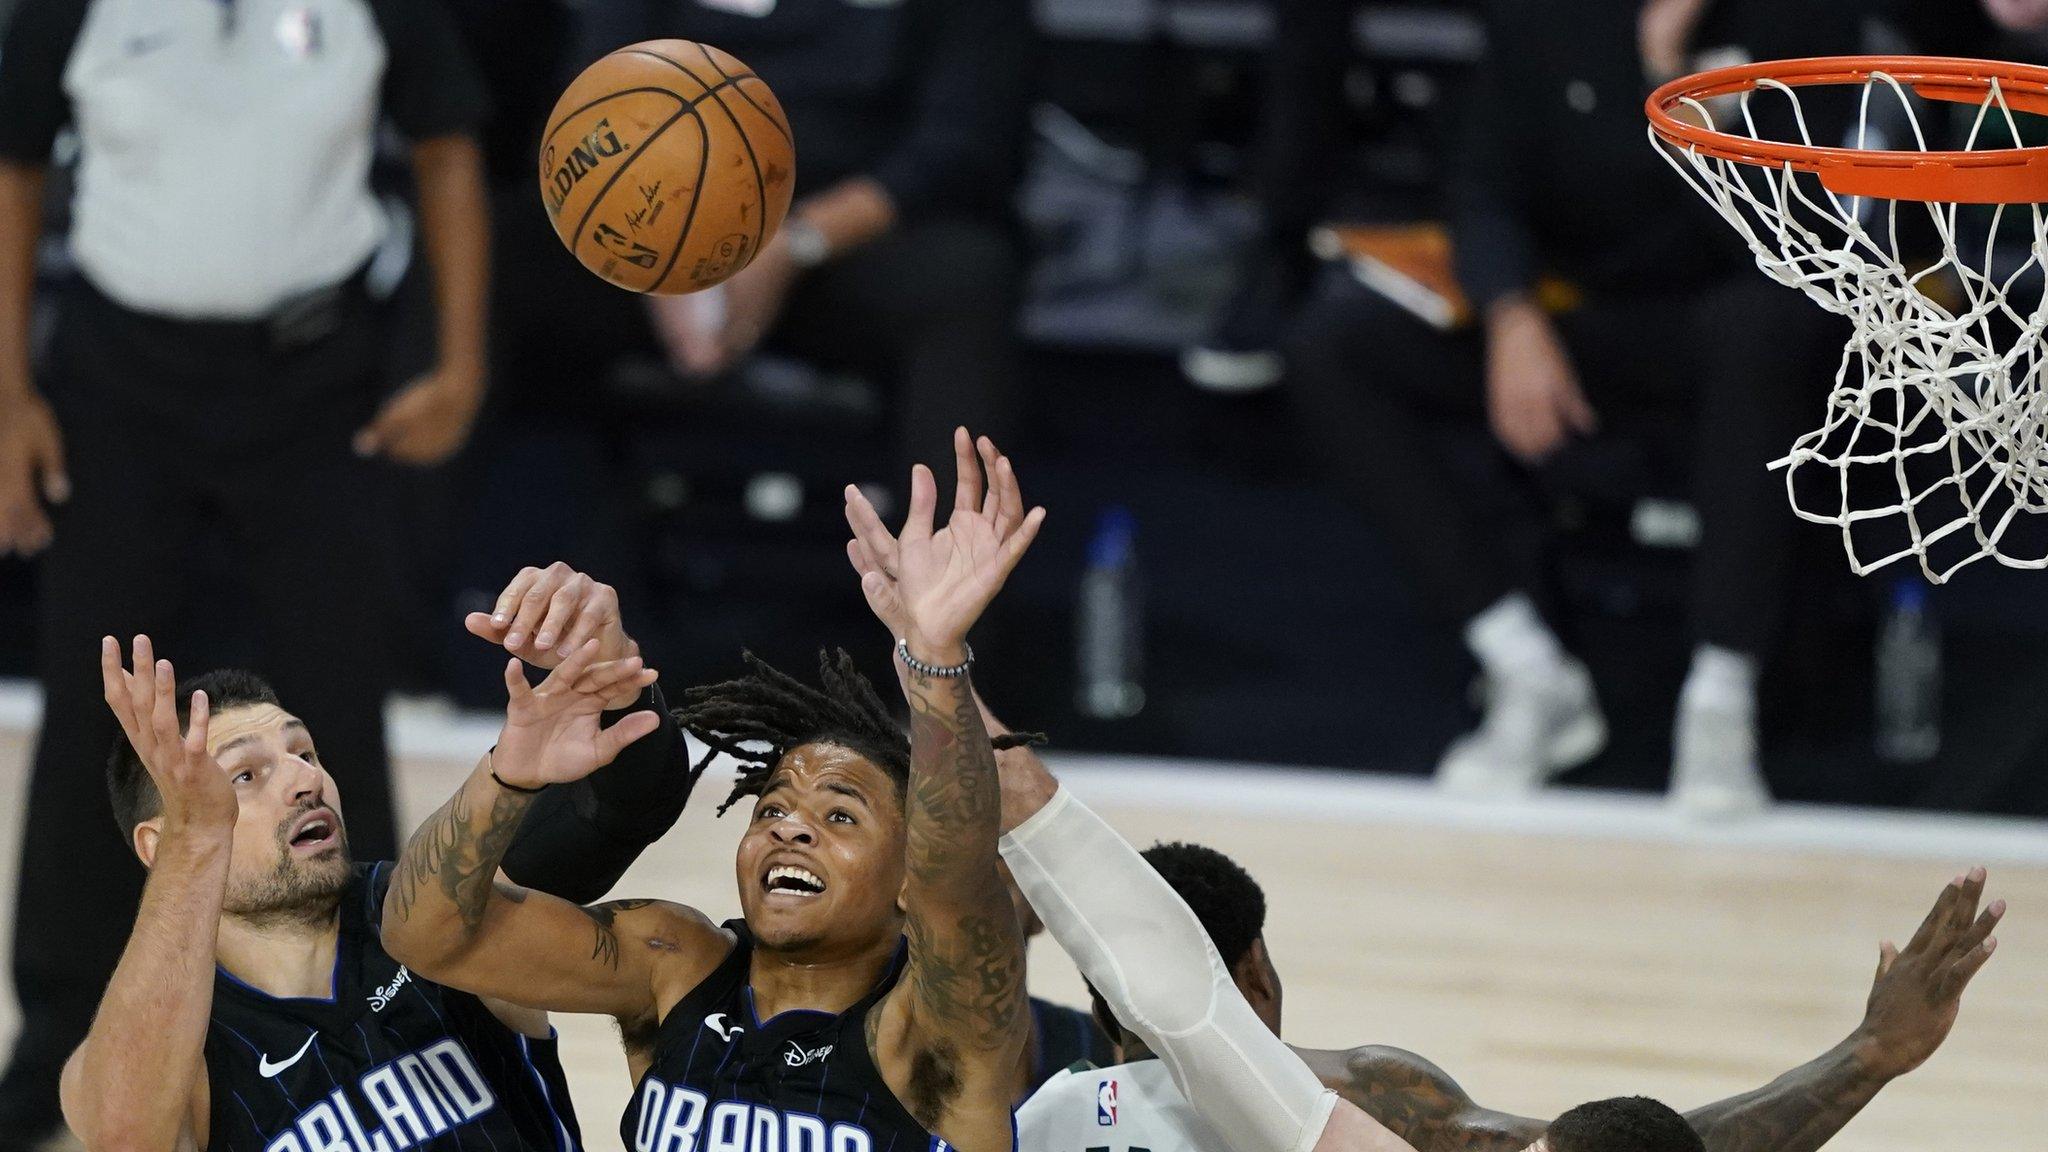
[{"x": 1142, "y": 948}]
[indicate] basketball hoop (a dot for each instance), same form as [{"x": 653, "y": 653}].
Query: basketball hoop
[{"x": 1936, "y": 428}]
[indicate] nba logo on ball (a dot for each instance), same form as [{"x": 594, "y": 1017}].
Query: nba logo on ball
[{"x": 1105, "y": 1103}]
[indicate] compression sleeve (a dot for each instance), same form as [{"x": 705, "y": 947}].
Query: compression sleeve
[
  {"x": 578, "y": 839},
  {"x": 1142, "y": 948}
]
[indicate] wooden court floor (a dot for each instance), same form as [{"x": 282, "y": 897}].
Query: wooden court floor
[{"x": 1539, "y": 968}]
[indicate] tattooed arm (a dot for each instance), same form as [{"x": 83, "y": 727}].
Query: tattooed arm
[
  {"x": 1419, "y": 1101},
  {"x": 448, "y": 918},
  {"x": 948, "y": 1038},
  {"x": 1913, "y": 1004},
  {"x": 1798, "y": 1111}
]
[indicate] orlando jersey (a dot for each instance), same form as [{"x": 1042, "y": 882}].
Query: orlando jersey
[
  {"x": 389, "y": 1062},
  {"x": 722, "y": 1080},
  {"x": 1129, "y": 1106}
]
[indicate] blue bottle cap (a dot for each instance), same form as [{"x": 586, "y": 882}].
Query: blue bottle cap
[
  {"x": 1116, "y": 531},
  {"x": 1910, "y": 594}
]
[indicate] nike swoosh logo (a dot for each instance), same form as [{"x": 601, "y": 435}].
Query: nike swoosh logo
[
  {"x": 716, "y": 1022},
  {"x": 265, "y": 1067}
]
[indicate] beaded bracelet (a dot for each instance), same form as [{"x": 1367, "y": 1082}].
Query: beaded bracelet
[{"x": 924, "y": 669}]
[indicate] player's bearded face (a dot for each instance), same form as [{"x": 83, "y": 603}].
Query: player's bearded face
[
  {"x": 821, "y": 864},
  {"x": 290, "y": 859}
]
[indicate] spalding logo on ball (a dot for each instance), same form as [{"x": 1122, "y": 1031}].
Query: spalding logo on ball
[{"x": 666, "y": 166}]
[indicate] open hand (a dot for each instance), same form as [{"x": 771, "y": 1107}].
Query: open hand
[
  {"x": 545, "y": 614},
  {"x": 930, "y": 587},
  {"x": 551, "y": 733},
  {"x": 872, "y": 550},
  {"x": 1914, "y": 1001},
  {"x": 195, "y": 791}
]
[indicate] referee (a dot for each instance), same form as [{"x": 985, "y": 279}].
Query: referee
[{"x": 218, "y": 361}]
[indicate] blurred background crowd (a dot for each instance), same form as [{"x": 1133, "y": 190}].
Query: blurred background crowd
[{"x": 1396, "y": 406}]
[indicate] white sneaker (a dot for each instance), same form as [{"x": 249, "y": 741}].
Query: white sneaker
[
  {"x": 1535, "y": 728},
  {"x": 1714, "y": 770}
]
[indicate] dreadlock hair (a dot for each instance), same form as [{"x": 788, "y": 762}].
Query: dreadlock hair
[{"x": 770, "y": 707}]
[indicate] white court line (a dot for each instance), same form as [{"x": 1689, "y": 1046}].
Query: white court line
[{"x": 1159, "y": 784}]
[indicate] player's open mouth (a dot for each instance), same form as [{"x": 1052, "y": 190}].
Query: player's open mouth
[
  {"x": 786, "y": 880},
  {"x": 314, "y": 831}
]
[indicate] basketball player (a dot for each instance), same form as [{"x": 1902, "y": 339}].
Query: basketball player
[
  {"x": 253, "y": 1008},
  {"x": 1911, "y": 1008},
  {"x": 1135, "y": 940},
  {"x": 871, "y": 998}
]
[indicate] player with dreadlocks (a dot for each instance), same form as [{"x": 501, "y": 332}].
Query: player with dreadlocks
[
  {"x": 1172, "y": 941},
  {"x": 772, "y": 708},
  {"x": 768, "y": 707},
  {"x": 872, "y": 996}
]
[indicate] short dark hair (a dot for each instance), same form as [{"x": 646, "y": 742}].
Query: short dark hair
[
  {"x": 769, "y": 706},
  {"x": 1225, "y": 898},
  {"x": 1623, "y": 1124},
  {"x": 128, "y": 782}
]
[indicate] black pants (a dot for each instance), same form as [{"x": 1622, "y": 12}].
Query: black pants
[
  {"x": 1750, "y": 358},
  {"x": 929, "y": 311},
  {"x": 172, "y": 429}
]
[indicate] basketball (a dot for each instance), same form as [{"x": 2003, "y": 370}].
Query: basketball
[{"x": 666, "y": 166}]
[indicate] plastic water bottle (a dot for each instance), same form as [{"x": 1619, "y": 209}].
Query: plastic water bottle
[
  {"x": 1909, "y": 677},
  {"x": 1110, "y": 622}
]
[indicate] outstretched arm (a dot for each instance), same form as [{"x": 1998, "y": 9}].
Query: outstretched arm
[
  {"x": 138, "y": 1080},
  {"x": 447, "y": 918},
  {"x": 949, "y": 1038},
  {"x": 1913, "y": 1005},
  {"x": 1419, "y": 1101}
]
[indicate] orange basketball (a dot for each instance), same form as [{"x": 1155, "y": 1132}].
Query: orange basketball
[{"x": 666, "y": 166}]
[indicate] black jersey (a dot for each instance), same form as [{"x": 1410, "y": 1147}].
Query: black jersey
[
  {"x": 388, "y": 1062},
  {"x": 723, "y": 1081}
]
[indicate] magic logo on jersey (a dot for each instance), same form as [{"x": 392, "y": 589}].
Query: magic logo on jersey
[
  {"x": 402, "y": 1103},
  {"x": 678, "y": 1119}
]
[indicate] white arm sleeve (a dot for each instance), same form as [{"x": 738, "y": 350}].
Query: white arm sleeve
[{"x": 1139, "y": 944}]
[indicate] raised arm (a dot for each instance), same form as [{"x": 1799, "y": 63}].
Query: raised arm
[
  {"x": 447, "y": 918},
  {"x": 1913, "y": 1005},
  {"x": 578, "y": 838},
  {"x": 947, "y": 1039},
  {"x": 138, "y": 1080}
]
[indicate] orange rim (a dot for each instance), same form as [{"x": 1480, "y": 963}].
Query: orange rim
[{"x": 1991, "y": 176}]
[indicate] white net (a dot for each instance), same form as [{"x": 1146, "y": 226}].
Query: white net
[{"x": 1934, "y": 442}]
